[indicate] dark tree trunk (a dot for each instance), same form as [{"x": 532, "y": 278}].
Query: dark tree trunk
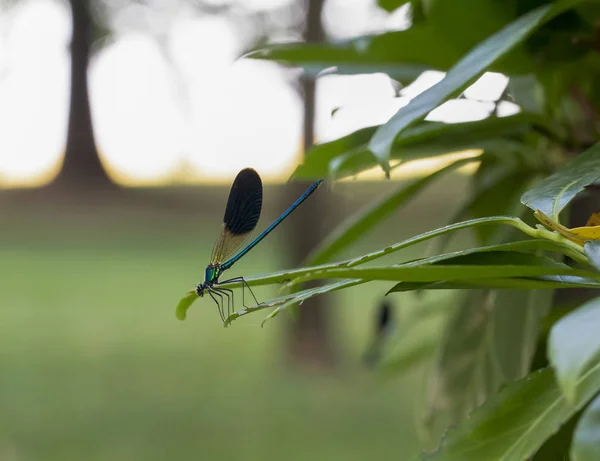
[
  {"x": 81, "y": 168},
  {"x": 310, "y": 339}
]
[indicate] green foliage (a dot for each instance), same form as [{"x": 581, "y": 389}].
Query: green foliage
[
  {"x": 184, "y": 304},
  {"x": 391, "y": 5},
  {"x": 349, "y": 155},
  {"x": 554, "y": 193},
  {"x": 392, "y": 53},
  {"x": 586, "y": 439},
  {"x": 514, "y": 423},
  {"x": 457, "y": 79},
  {"x": 490, "y": 341},
  {"x": 485, "y": 343},
  {"x": 574, "y": 346},
  {"x": 360, "y": 223}
]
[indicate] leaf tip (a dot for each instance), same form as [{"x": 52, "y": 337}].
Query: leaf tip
[
  {"x": 180, "y": 313},
  {"x": 184, "y": 304}
]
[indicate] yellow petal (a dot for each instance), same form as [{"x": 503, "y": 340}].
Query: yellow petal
[
  {"x": 587, "y": 233},
  {"x": 594, "y": 220}
]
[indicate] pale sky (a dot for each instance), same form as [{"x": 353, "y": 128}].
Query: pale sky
[{"x": 181, "y": 107}]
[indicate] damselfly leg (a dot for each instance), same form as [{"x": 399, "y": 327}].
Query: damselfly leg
[
  {"x": 244, "y": 285},
  {"x": 212, "y": 294}
]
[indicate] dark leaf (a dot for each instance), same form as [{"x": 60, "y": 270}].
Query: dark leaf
[
  {"x": 514, "y": 424},
  {"x": 459, "y": 77},
  {"x": 554, "y": 193}
]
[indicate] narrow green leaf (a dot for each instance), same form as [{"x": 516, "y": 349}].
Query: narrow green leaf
[
  {"x": 491, "y": 220},
  {"x": 415, "y": 273},
  {"x": 403, "y": 55},
  {"x": 358, "y": 224},
  {"x": 292, "y": 299},
  {"x": 296, "y": 274},
  {"x": 184, "y": 304},
  {"x": 586, "y": 439},
  {"x": 479, "y": 59},
  {"x": 516, "y": 324},
  {"x": 529, "y": 283},
  {"x": 391, "y": 5},
  {"x": 317, "y": 159},
  {"x": 574, "y": 346},
  {"x": 503, "y": 253},
  {"x": 512, "y": 425},
  {"x": 458, "y": 78},
  {"x": 423, "y": 140},
  {"x": 554, "y": 193},
  {"x": 432, "y": 273},
  {"x": 519, "y": 270},
  {"x": 558, "y": 446},
  {"x": 592, "y": 251},
  {"x": 527, "y": 93},
  {"x": 297, "y": 300}
]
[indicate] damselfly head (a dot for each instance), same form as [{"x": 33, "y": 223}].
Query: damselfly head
[{"x": 200, "y": 290}]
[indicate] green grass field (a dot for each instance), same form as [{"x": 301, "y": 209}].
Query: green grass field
[{"x": 94, "y": 365}]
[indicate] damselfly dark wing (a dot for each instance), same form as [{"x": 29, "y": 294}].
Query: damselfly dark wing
[{"x": 241, "y": 214}]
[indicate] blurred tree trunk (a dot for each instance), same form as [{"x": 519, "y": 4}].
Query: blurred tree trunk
[
  {"x": 81, "y": 168},
  {"x": 310, "y": 338}
]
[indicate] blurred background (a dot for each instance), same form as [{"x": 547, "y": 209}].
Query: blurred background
[{"x": 122, "y": 125}]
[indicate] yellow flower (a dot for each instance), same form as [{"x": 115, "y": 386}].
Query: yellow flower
[{"x": 578, "y": 235}]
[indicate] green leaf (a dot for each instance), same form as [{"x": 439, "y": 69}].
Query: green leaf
[
  {"x": 414, "y": 272},
  {"x": 424, "y": 140},
  {"x": 592, "y": 251},
  {"x": 489, "y": 342},
  {"x": 185, "y": 303},
  {"x": 513, "y": 424},
  {"x": 517, "y": 323},
  {"x": 358, "y": 224},
  {"x": 557, "y": 447},
  {"x": 527, "y": 93},
  {"x": 554, "y": 193},
  {"x": 317, "y": 159},
  {"x": 529, "y": 283},
  {"x": 295, "y": 274},
  {"x": 498, "y": 195},
  {"x": 586, "y": 439},
  {"x": 391, "y": 5},
  {"x": 459, "y": 77},
  {"x": 403, "y": 55},
  {"x": 503, "y": 253},
  {"x": 574, "y": 346},
  {"x": 471, "y": 21},
  {"x": 339, "y": 58},
  {"x": 289, "y": 300}
]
